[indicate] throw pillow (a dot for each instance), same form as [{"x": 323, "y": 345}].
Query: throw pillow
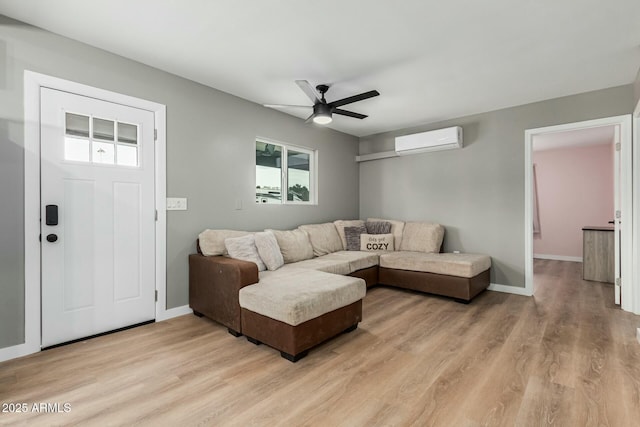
[
  {"x": 294, "y": 245},
  {"x": 376, "y": 242},
  {"x": 397, "y": 228},
  {"x": 244, "y": 248},
  {"x": 269, "y": 250},
  {"x": 352, "y": 234},
  {"x": 341, "y": 224},
  {"x": 212, "y": 241},
  {"x": 378, "y": 227},
  {"x": 422, "y": 237},
  {"x": 324, "y": 238}
]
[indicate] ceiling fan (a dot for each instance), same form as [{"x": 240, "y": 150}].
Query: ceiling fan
[{"x": 323, "y": 110}]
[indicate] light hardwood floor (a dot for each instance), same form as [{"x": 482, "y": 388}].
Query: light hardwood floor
[{"x": 566, "y": 357}]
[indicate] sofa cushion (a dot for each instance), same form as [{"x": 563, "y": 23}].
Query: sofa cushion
[
  {"x": 327, "y": 265},
  {"x": 324, "y": 238},
  {"x": 352, "y": 235},
  {"x": 460, "y": 265},
  {"x": 294, "y": 245},
  {"x": 269, "y": 250},
  {"x": 422, "y": 237},
  {"x": 376, "y": 242},
  {"x": 397, "y": 228},
  {"x": 212, "y": 241},
  {"x": 244, "y": 248},
  {"x": 341, "y": 224},
  {"x": 295, "y": 296},
  {"x": 378, "y": 227},
  {"x": 357, "y": 260}
]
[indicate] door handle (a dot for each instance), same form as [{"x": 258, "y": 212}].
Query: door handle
[
  {"x": 51, "y": 215},
  {"x": 52, "y": 238}
]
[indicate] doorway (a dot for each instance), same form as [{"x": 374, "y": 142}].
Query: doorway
[
  {"x": 133, "y": 156},
  {"x": 573, "y": 207},
  {"x": 622, "y": 138}
]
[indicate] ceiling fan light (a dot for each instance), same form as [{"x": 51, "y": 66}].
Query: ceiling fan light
[
  {"x": 322, "y": 119},
  {"x": 322, "y": 114}
]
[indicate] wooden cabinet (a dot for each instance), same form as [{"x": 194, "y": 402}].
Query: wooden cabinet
[{"x": 598, "y": 254}]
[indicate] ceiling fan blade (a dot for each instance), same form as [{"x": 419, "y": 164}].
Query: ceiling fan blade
[
  {"x": 286, "y": 106},
  {"x": 349, "y": 113},
  {"x": 308, "y": 90},
  {"x": 354, "y": 98},
  {"x": 310, "y": 118}
]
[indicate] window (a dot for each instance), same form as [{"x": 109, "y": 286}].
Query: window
[
  {"x": 95, "y": 140},
  {"x": 272, "y": 160}
]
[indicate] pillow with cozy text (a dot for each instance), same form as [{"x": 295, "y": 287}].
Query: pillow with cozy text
[{"x": 376, "y": 242}]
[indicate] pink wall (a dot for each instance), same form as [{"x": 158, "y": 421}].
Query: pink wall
[{"x": 575, "y": 189}]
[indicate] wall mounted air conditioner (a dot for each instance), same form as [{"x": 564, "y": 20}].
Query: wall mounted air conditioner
[{"x": 441, "y": 139}]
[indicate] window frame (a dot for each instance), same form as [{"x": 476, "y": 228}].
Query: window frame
[{"x": 284, "y": 172}]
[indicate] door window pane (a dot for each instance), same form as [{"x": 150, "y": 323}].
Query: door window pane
[
  {"x": 127, "y": 155},
  {"x": 127, "y": 133},
  {"x": 76, "y": 149},
  {"x": 103, "y": 129},
  {"x": 298, "y": 176},
  {"x": 268, "y": 173},
  {"x": 77, "y": 125},
  {"x": 103, "y": 153}
]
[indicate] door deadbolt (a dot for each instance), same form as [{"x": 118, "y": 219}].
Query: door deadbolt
[{"x": 52, "y": 238}]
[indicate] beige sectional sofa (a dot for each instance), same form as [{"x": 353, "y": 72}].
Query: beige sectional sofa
[{"x": 317, "y": 293}]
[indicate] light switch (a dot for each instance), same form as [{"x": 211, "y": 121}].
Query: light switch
[
  {"x": 238, "y": 204},
  {"x": 176, "y": 203}
]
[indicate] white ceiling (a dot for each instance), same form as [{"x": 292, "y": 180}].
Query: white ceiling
[
  {"x": 574, "y": 138},
  {"x": 430, "y": 60}
]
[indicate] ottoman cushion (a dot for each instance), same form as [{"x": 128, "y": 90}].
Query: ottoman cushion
[{"x": 294, "y": 296}]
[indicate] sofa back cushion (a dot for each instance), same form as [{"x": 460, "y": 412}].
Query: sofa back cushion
[
  {"x": 294, "y": 245},
  {"x": 324, "y": 238},
  {"x": 397, "y": 229},
  {"x": 244, "y": 248},
  {"x": 341, "y": 224},
  {"x": 212, "y": 241},
  {"x": 376, "y": 242},
  {"x": 422, "y": 237},
  {"x": 352, "y": 234},
  {"x": 269, "y": 250}
]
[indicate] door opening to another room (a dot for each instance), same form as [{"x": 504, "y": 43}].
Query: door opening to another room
[
  {"x": 577, "y": 192},
  {"x": 574, "y": 205}
]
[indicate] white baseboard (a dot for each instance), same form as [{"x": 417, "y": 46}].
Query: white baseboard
[
  {"x": 20, "y": 350},
  {"x": 16, "y": 351},
  {"x": 558, "y": 257},
  {"x": 509, "y": 289},
  {"x": 173, "y": 312}
]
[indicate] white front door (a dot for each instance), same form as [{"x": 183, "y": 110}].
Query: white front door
[{"x": 97, "y": 216}]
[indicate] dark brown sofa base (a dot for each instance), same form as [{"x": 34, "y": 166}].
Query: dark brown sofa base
[
  {"x": 462, "y": 289},
  {"x": 369, "y": 275},
  {"x": 214, "y": 283},
  {"x": 294, "y": 342}
]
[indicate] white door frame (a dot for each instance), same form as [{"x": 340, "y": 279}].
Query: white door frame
[
  {"x": 636, "y": 208},
  {"x": 629, "y": 287},
  {"x": 32, "y": 84}
]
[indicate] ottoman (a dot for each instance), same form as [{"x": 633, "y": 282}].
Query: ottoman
[{"x": 293, "y": 310}]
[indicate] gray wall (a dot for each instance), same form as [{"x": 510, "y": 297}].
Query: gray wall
[
  {"x": 210, "y": 156},
  {"x": 476, "y": 192}
]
